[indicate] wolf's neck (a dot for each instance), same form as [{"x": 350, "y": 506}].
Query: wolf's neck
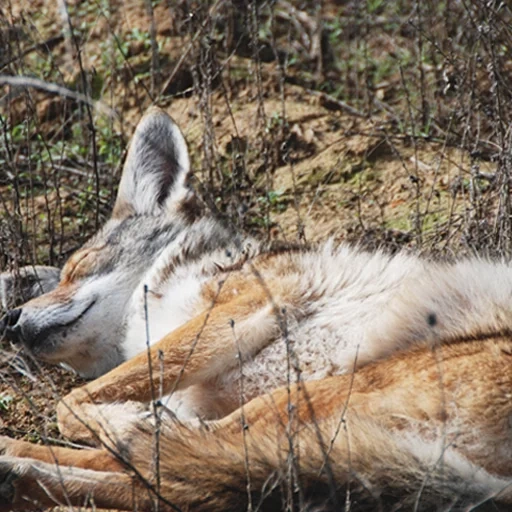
[{"x": 170, "y": 291}]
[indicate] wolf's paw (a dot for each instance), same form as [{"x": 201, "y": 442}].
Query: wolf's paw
[
  {"x": 8, "y": 476},
  {"x": 99, "y": 424},
  {"x": 76, "y": 425}
]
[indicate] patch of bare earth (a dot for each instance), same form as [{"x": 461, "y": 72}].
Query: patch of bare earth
[{"x": 28, "y": 394}]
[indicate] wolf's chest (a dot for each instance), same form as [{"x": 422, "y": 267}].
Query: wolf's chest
[{"x": 154, "y": 313}]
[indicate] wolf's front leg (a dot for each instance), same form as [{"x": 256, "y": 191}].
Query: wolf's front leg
[
  {"x": 99, "y": 460},
  {"x": 28, "y": 484},
  {"x": 33, "y": 475},
  {"x": 198, "y": 351}
]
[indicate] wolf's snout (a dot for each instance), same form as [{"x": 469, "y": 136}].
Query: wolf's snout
[{"x": 9, "y": 325}]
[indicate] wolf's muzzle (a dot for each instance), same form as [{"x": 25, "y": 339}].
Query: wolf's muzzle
[{"x": 9, "y": 326}]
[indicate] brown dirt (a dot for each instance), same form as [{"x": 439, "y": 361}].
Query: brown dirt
[{"x": 28, "y": 393}]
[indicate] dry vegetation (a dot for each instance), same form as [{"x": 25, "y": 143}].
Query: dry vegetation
[{"x": 382, "y": 122}]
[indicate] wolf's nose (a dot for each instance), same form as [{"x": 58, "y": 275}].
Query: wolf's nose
[{"x": 8, "y": 325}]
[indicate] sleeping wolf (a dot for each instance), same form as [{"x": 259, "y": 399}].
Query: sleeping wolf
[{"x": 277, "y": 376}]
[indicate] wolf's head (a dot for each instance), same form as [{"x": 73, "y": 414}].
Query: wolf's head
[{"x": 81, "y": 322}]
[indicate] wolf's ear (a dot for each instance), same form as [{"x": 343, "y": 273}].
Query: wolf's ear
[{"x": 156, "y": 168}]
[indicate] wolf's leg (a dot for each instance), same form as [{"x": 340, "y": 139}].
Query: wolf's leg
[
  {"x": 27, "y": 484},
  {"x": 99, "y": 460},
  {"x": 200, "y": 350},
  {"x": 445, "y": 394}
]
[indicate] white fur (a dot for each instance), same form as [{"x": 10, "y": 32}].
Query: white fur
[
  {"x": 437, "y": 454},
  {"x": 165, "y": 313}
]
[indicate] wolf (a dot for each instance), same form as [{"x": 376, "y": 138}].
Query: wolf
[{"x": 232, "y": 374}]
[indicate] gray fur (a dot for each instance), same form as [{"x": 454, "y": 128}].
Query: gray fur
[{"x": 26, "y": 283}]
